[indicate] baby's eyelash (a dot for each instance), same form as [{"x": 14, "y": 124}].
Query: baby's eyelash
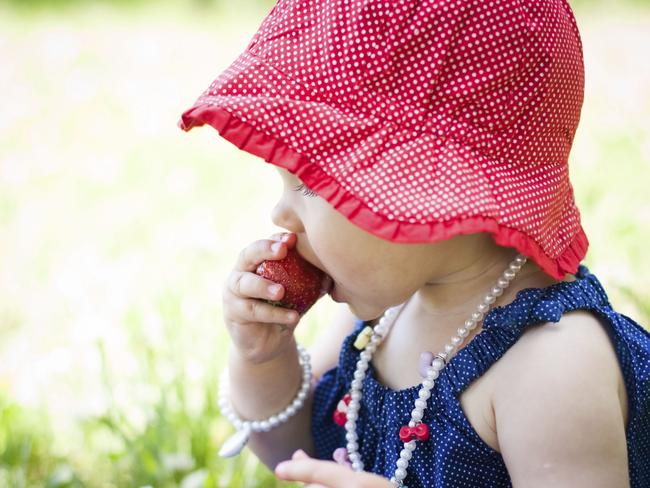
[{"x": 305, "y": 191}]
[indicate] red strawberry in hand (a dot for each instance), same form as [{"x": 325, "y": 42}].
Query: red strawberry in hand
[{"x": 303, "y": 282}]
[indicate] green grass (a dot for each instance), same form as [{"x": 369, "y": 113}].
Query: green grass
[{"x": 117, "y": 230}]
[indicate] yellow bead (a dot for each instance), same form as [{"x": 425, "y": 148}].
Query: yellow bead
[{"x": 363, "y": 338}]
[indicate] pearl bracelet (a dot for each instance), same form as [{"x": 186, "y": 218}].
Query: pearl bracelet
[{"x": 238, "y": 441}]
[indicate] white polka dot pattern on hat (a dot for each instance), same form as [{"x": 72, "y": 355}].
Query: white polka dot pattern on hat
[
  {"x": 455, "y": 455},
  {"x": 418, "y": 120}
]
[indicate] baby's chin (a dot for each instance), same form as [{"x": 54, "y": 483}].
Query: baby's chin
[{"x": 365, "y": 313}]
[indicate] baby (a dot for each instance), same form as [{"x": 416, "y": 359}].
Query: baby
[{"x": 423, "y": 148}]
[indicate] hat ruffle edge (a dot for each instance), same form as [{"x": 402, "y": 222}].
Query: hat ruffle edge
[{"x": 275, "y": 151}]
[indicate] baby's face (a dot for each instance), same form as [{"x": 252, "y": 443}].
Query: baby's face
[{"x": 370, "y": 273}]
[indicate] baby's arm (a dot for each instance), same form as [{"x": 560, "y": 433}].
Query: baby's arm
[
  {"x": 271, "y": 395},
  {"x": 558, "y": 415},
  {"x": 262, "y": 390}
]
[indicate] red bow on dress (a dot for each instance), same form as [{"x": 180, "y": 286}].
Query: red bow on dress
[
  {"x": 419, "y": 432},
  {"x": 340, "y": 418}
]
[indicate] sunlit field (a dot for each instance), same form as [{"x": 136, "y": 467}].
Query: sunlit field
[{"x": 117, "y": 231}]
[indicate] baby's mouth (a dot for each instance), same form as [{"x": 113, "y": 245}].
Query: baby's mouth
[{"x": 328, "y": 284}]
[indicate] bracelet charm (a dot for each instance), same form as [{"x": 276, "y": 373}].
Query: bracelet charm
[{"x": 235, "y": 443}]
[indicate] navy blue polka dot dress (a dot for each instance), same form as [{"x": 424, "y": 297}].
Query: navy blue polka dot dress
[{"x": 456, "y": 456}]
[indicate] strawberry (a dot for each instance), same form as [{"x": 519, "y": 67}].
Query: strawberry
[{"x": 303, "y": 282}]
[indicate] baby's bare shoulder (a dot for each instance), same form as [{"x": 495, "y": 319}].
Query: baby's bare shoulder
[
  {"x": 557, "y": 405},
  {"x": 579, "y": 339}
]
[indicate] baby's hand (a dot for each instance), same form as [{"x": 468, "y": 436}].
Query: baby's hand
[
  {"x": 326, "y": 474},
  {"x": 260, "y": 331}
]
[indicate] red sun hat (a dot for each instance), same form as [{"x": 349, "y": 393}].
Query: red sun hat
[{"x": 418, "y": 120}]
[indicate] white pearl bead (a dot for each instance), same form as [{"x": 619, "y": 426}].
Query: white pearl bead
[
  {"x": 283, "y": 417},
  {"x": 352, "y": 446},
  {"x": 514, "y": 267},
  {"x": 462, "y": 332},
  {"x": 428, "y": 384},
  {"x": 302, "y": 395},
  {"x": 354, "y": 456},
  {"x": 351, "y": 437},
  {"x": 349, "y": 425},
  {"x": 411, "y": 423},
  {"x": 355, "y": 402},
  {"x": 421, "y": 404},
  {"x": 265, "y": 425},
  {"x": 410, "y": 445},
  {"x": 477, "y": 316},
  {"x": 402, "y": 463},
  {"x": 371, "y": 348},
  {"x": 470, "y": 324},
  {"x": 405, "y": 454},
  {"x": 400, "y": 474},
  {"x": 432, "y": 374},
  {"x": 449, "y": 348},
  {"x": 508, "y": 274},
  {"x": 489, "y": 298},
  {"x": 381, "y": 329},
  {"x": 359, "y": 375},
  {"x": 483, "y": 307},
  {"x": 437, "y": 364},
  {"x": 503, "y": 283},
  {"x": 456, "y": 340},
  {"x": 291, "y": 410},
  {"x": 256, "y": 425},
  {"x": 365, "y": 355},
  {"x": 351, "y": 415},
  {"x": 416, "y": 415},
  {"x": 521, "y": 259},
  {"x": 424, "y": 394},
  {"x": 496, "y": 291},
  {"x": 356, "y": 384},
  {"x": 357, "y": 466},
  {"x": 274, "y": 421},
  {"x": 356, "y": 396}
]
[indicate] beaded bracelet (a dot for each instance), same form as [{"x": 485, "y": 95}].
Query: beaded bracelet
[{"x": 238, "y": 441}]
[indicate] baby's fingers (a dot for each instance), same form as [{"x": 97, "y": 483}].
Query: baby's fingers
[
  {"x": 251, "y": 311},
  {"x": 287, "y": 237},
  {"x": 251, "y": 285},
  {"x": 248, "y": 293},
  {"x": 251, "y": 256}
]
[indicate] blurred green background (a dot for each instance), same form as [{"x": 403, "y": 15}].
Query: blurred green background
[{"x": 117, "y": 229}]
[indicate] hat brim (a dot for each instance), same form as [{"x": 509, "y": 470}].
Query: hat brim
[{"x": 246, "y": 114}]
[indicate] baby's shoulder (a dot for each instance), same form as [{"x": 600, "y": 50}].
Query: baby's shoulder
[
  {"x": 561, "y": 387},
  {"x": 563, "y": 356}
]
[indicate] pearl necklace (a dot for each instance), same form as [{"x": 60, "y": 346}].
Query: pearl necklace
[{"x": 433, "y": 371}]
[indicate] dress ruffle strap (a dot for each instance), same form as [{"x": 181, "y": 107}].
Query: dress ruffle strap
[{"x": 504, "y": 325}]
